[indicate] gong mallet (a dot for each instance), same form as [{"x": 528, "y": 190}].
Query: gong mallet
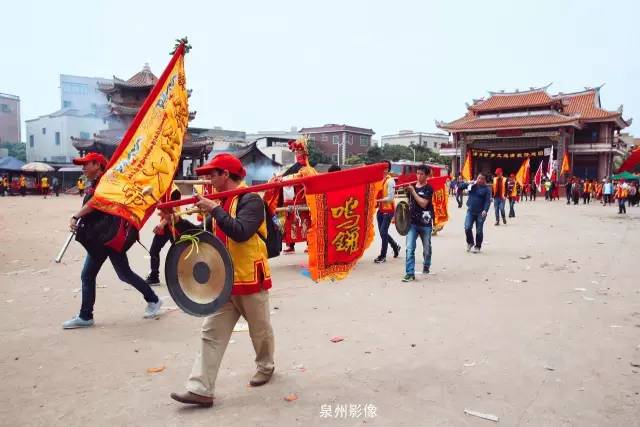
[
  {"x": 67, "y": 242},
  {"x": 148, "y": 191}
]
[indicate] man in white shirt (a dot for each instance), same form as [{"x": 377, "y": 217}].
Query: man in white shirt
[
  {"x": 386, "y": 210},
  {"x": 607, "y": 191}
]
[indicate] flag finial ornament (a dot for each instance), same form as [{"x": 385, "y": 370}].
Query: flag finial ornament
[{"x": 183, "y": 41}]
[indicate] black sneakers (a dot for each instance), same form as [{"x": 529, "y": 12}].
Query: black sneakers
[
  {"x": 396, "y": 251},
  {"x": 152, "y": 280},
  {"x": 380, "y": 260}
]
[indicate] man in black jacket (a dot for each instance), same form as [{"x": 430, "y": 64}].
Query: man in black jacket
[
  {"x": 93, "y": 166},
  {"x": 478, "y": 202}
]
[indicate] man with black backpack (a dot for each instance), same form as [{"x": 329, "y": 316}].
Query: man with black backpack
[
  {"x": 241, "y": 224},
  {"x": 93, "y": 166}
]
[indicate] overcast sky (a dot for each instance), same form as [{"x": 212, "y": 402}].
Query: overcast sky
[{"x": 386, "y": 65}]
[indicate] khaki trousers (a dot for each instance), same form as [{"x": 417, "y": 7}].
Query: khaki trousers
[{"x": 216, "y": 332}]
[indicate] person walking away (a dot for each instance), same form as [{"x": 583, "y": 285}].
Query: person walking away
[
  {"x": 22, "y": 183},
  {"x": 478, "y": 202},
  {"x": 567, "y": 190},
  {"x": 534, "y": 190},
  {"x": 459, "y": 191},
  {"x": 499, "y": 196},
  {"x": 526, "y": 191},
  {"x": 631, "y": 197},
  {"x": 386, "y": 210},
  {"x": 576, "y": 191},
  {"x": 547, "y": 190},
  {"x": 421, "y": 215},
  {"x": 44, "y": 186},
  {"x": 607, "y": 192},
  {"x": 622, "y": 192},
  {"x": 512, "y": 191},
  {"x": 80, "y": 185},
  {"x": 585, "y": 191},
  {"x": 240, "y": 222},
  {"x": 93, "y": 166},
  {"x": 55, "y": 185}
]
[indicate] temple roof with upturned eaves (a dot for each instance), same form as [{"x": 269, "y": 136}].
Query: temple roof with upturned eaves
[{"x": 535, "y": 108}]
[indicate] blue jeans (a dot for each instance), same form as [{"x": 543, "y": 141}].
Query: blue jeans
[
  {"x": 384, "y": 221},
  {"x": 412, "y": 236},
  {"x": 499, "y": 207},
  {"x": 469, "y": 220},
  {"x": 120, "y": 262}
]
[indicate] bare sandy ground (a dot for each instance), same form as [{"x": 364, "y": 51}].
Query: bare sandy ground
[{"x": 540, "y": 329}]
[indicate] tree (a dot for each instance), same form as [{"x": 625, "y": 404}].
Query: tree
[
  {"x": 400, "y": 152},
  {"x": 16, "y": 149},
  {"x": 315, "y": 155}
]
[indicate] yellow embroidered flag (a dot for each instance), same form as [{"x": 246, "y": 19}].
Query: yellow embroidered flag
[
  {"x": 521, "y": 177},
  {"x": 466, "y": 168},
  {"x": 142, "y": 168},
  {"x": 565, "y": 164}
]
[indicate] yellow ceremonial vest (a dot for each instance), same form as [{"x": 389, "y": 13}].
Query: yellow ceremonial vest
[
  {"x": 503, "y": 188},
  {"x": 386, "y": 207},
  {"x": 45, "y": 183},
  {"x": 248, "y": 257}
]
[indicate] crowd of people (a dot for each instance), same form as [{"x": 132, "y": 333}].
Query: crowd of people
[
  {"x": 606, "y": 192},
  {"x": 44, "y": 186}
]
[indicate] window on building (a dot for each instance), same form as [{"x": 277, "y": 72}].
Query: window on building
[
  {"x": 350, "y": 139},
  {"x": 5, "y": 108},
  {"x": 66, "y": 104},
  {"x": 273, "y": 157},
  {"x": 325, "y": 138},
  {"x": 31, "y": 141},
  {"x": 364, "y": 141},
  {"x": 334, "y": 158},
  {"x": 77, "y": 88},
  {"x": 336, "y": 139},
  {"x": 85, "y": 135},
  {"x": 57, "y": 138},
  {"x": 44, "y": 131}
]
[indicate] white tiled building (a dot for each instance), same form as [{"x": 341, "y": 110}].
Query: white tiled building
[
  {"x": 80, "y": 116},
  {"x": 49, "y": 136},
  {"x": 432, "y": 141}
]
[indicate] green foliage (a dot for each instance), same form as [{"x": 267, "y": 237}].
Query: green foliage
[
  {"x": 16, "y": 149},
  {"x": 316, "y": 156},
  {"x": 355, "y": 160},
  {"x": 400, "y": 152}
]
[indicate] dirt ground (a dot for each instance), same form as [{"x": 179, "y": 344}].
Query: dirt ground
[{"x": 541, "y": 329}]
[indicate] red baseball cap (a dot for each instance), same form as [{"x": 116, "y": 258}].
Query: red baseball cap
[
  {"x": 498, "y": 170},
  {"x": 91, "y": 157},
  {"x": 223, "y": 162}
]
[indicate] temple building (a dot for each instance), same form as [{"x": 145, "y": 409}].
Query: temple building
[
  {"x": 507, "y": 127},
  {"x": 125, "y": 97}
]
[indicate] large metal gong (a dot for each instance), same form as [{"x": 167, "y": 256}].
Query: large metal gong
[
  {"x": 401, "y": 217},
  {"x": 199, "y": 273}
]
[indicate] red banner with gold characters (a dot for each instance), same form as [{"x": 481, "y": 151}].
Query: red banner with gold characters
[
  {"x": 440, "y": 200},
  {"x": 342, "y": 206},
  {"x": 142, "y": 168}
]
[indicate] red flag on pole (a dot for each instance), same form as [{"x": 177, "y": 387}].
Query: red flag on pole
[
  {"x": 631, "y": 162},
  {"x": 537, "y": 179}
]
